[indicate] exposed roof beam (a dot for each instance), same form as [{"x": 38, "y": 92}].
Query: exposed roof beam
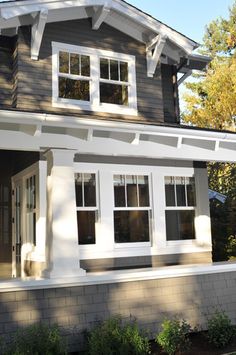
[
  {"x": 153, "y": 58},
  {"x": 37, "y": 30},
  {"x": 99, "y": 16},
  {"x": 184, "y": 77},
  {"x": 32, "y": 130}
]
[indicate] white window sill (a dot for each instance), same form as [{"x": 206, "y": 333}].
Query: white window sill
[{"x": 83, "y": 105}]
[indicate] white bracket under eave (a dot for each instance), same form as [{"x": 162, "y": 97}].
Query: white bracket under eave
[
  {"x": 184, "y": 77},
  {"x": 37, "y": 30},
  {"x": 153, "y": 53},
  {"x": 100, "y": 16}
]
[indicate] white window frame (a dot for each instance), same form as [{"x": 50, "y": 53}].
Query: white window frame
[
  {"x": 87, "y": 208},
  {"x": 94, "y": 104},
  {"x": 149, "y": 208},
  {"x": 181, "y": 208}
]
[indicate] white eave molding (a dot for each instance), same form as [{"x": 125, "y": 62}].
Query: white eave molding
[
  {"x": 12, "y": 15},
  {"x": 33, "y": 131}
]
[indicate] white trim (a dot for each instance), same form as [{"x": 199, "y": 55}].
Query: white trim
[
  {"x": 94, "y": 103},
  {"x": 118, "y": 277}
]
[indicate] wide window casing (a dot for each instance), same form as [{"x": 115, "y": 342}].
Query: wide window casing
[
  {"x": 180, "y": 208},
  {"x": 132, "y": 208},
  {"x": 86, "y": 202},
  {"x": 93, "y": 79}
]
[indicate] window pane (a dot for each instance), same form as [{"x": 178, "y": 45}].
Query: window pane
[
  {"x": 123, "y": 71},
  {"x": 74, "y": 64},
  {"x": 131, "y": 226},
  {"x": 119, "y": 190},
  {"x": 114, "y": 94},
  {"x": 63, "y": 62},
  {"x": 89, "y": 190},
  {"x": 132, "y": 192},
  {"x": 180, "y": 191},
  {"x": 114, "y": 70},
  {"x": 170, "y": 191},
  {"x": 104, "y": 70},
  {"x": 85, "y": 65},
  {"x": 180, "y": 225},
  {"x": 143, "y": 191},
  {"x": 86, "y": 227},
  {"x": 191, "y": 197},
  {"x": 78, "y": 190},
  {"x": 74, "y": 89}
]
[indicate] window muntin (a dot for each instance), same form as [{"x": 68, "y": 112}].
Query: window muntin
[
  {"x": 132, "y": 208},
  {"x": 93, "y": 79},
  {"x": 86, "y": 205},
  {"x": 180, "y": 207},
  {"x": 74, "y": 76},
  {"x": 114, "y": 81},
  {"x": 31, "y": 209}
]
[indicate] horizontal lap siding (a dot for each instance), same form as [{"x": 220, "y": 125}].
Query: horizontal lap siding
[
  {"x": 35, "y": 77},
  {"x": 6, "y": 69}
]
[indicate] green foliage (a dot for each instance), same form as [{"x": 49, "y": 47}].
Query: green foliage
[
  {"x": 115, "y": 337},
  {"x": 38, "y": 339},
  {"x": 220, "y": 330},
  {"x": 174, "y": 336}
]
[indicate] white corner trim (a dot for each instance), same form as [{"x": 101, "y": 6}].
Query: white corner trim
[
  {"x": 37, "y": 30},
  {"x": 153, "y": 58}
]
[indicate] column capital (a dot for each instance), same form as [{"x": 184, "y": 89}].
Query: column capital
[{"x": 60, "y": 157}]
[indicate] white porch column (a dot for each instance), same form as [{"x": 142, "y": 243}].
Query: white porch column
[
  {"x": 62, "y": 237},
  {"x": 202, "y": 220}
]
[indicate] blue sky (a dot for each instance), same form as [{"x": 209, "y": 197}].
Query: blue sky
[{"x": 187, "y": 16}]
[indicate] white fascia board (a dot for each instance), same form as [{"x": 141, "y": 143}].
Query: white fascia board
[
  {"x": 10, "y": 10},
  {"x": 43, "y": 119}
]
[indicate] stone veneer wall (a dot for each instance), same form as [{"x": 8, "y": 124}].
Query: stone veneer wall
[{"x": 77, "y": 308}]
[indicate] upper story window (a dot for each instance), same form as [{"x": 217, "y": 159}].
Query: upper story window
[
  {"x": 93, "y": 79},
  {"x": 180, "y": 207}
]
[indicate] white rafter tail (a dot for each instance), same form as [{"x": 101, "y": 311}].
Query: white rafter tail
[
  {"x": 153, "y": 58},
  {"x": 100, "y": 16},
  {"x": 37, "y": 33},
  {"x": 217, "y": 145},
  {"x": 184, "y": 77},
  {"x": 90, "y": 134},
  {"x": 136, "y": 139},
  {"x": 179, "y": 142}
]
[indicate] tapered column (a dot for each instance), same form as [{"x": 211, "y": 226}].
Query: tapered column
[{"x": 62, "y": 236}]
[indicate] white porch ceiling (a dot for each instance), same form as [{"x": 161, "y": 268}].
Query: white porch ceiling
[{"x": 27, "y": 131}]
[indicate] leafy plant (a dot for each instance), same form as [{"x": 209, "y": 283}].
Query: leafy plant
[
  {"x": 116, "y": 337},
  {"x": 38, "y": 339},
  {"x": 220, "y": 329},
  {"x": 174, "y": 336}
]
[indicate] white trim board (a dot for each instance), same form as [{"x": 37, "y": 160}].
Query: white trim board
[{"x": 118, "y": 277}]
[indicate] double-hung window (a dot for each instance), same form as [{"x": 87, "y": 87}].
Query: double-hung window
[
  {"x": 93, "y": 79},
  {"x": 132, "y": 208},
  {"x": 180, "y": 207},
  {"x": 86, "y": 202}
]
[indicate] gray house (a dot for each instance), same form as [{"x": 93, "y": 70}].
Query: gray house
[{"x": 101, "y": 188}]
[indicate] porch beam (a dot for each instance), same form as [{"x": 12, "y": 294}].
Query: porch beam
[
  {"x": 37, "y": 30},
  {"x": 153, "y": 57},
  {"x": 100, "y": 16}
]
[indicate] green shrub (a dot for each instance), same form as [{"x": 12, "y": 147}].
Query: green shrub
[
  {"x": 174, "y": 336},
  {"x": 220, "y": 330},
  {"x": 38, "y": 339},
  {"x": 115, "y": 337}
]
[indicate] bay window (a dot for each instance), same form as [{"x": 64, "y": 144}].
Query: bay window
[
  {"x": 132, "y": 208},
  {"x": 180, "y": 208},
  {"x": 93, "y": 79}
]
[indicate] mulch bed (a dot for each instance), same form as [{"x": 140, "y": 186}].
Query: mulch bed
[{"x": 199, "y": 346}]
